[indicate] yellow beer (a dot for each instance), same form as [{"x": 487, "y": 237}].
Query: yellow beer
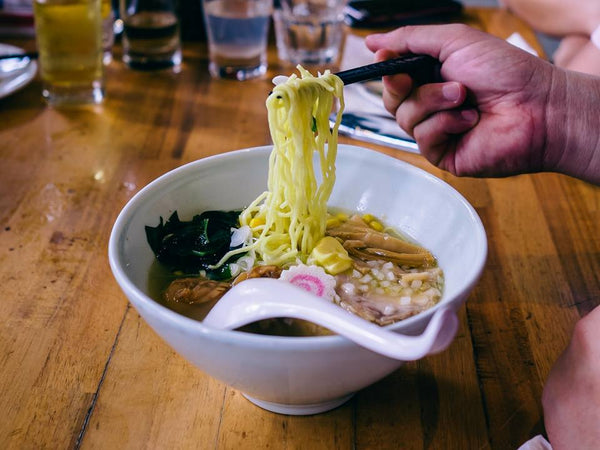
[{"x": 69, "y": 37}]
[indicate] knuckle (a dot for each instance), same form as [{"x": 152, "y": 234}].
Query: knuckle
[{"x": 405, "y": 121}]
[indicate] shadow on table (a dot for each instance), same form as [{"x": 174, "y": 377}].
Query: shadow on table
[{"x": 413, "y": 405}]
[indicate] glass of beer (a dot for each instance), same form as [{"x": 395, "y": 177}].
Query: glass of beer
[{"x": 69, "y": 40}]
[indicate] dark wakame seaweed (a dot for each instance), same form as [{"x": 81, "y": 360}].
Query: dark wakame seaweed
[{"x": 191, "y": 246}]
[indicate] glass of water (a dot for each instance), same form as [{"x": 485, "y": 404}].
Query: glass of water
[
  {"x": 237, "y": 32},
  {"x": 310, "y": 32}
]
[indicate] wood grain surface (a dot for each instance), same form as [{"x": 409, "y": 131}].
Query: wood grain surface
[{"x": 79, "y": 367}]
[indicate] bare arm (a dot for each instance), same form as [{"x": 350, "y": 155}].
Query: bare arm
[
  {"x": 571, "y": 397},
  {"x": 558, "y": 17},
  {"x": 578, "y": 53},
  {"x": 574, "y": 21}
]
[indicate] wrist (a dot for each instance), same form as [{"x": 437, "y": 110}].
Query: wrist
[{"x": 572, "y": 135}]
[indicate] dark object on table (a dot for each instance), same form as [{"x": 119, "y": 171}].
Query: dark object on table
[
  {"x": 386, "y": 13},
  {"x": 191, "y": 20},
  {"x": 16, "y": 20}
]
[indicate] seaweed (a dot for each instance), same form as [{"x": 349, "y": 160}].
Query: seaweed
[{"x": 192, "y": 246}]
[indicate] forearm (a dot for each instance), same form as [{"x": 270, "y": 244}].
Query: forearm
[
  {"x": 557, "y": 17},
  {"x": 572, "y": 391},
  {"x": 586, "y": 60},
  {"x": 572, "y": 126}
]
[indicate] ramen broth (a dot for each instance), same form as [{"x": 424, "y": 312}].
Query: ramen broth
[
  {"x": 160, "y": 278},
  {"x": 368, "y": 289}
]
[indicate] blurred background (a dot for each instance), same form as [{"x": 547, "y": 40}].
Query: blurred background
[
  {"x": 16, "y": 19},
  {"x": 549, "y": 43}
]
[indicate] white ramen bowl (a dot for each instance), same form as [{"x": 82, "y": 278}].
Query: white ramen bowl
[{"x": 297, "y": 375}]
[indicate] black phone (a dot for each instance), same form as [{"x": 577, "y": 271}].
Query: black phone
[{"x": 387, "y": 13}]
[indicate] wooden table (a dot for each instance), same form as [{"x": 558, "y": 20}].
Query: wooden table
[{"x": 80, "y": 368}]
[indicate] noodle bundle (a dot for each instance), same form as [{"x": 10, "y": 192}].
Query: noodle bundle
[{"x": 292, "y": 214}]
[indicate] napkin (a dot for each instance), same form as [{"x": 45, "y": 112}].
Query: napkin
[
  {"x": 517, "y": 40},
  {"x": 536, "y": 443},
  {"x": 365, "y": 117}
]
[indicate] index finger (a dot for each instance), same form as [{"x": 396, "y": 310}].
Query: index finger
[{"x": 438, "y": 41}]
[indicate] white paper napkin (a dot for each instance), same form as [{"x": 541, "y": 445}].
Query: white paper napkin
[
  {"x": 518, "y": 41},
  {"x": 357, "y": 99},
  {"x": 365, "y": 117},
  {"x": 536, "y": 443}
]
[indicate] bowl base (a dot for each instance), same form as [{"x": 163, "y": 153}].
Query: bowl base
[{"x": 299, "y": 410}]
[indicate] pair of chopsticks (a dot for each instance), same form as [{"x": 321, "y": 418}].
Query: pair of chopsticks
[{"x": 422, "y": 68}]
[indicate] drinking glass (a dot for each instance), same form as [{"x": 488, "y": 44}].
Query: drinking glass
[
  {"x": 150, "y": 34},
  {"x": 108, "y": 33},
  {"x": 237, "y": 32},
  {"x": 69, "y": 40},
  {"x": 309, "y": 32}
]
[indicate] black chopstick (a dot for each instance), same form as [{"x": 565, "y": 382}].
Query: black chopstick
[
  {"x": 30, "y": 55},
  {"x": 422, "y": 68}
]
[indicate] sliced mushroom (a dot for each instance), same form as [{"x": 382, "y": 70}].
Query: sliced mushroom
[
  {"x": 357, "y": 229},
  {"x": 376, "y": 239},
  {"x": 269, "y": 271},
  {"x": 361, "y": 241},
  {"x": 374, "y": 309},
  {"x": 359, "y": 249},
  {"x": 403, "y": 259},
  {"x": 195, "y": 290}
]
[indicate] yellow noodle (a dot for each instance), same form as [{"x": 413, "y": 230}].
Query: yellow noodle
[{"x": 294, "y": 208}]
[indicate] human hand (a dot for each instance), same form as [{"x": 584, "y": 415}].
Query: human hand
[
  {"x": 571, "y": 397},
  {"x": 489, "y": 120}
]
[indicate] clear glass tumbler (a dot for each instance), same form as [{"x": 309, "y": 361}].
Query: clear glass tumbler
[
  {"x": 108, "y": 33},
  {"x": 310, "y": 32},
  {"x": 69, "y": 40},
  {"x": 237, "y": 32}
]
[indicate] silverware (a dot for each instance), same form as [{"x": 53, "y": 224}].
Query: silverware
[
  {"x": 30, "y": 55},
  {"x": 12, "y": 64},
  {"x": 376, "y": 129},
  {"x": 422, "y": 68}
]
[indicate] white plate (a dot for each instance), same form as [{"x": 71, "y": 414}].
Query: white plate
[{"x": 21, "y": 77}]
